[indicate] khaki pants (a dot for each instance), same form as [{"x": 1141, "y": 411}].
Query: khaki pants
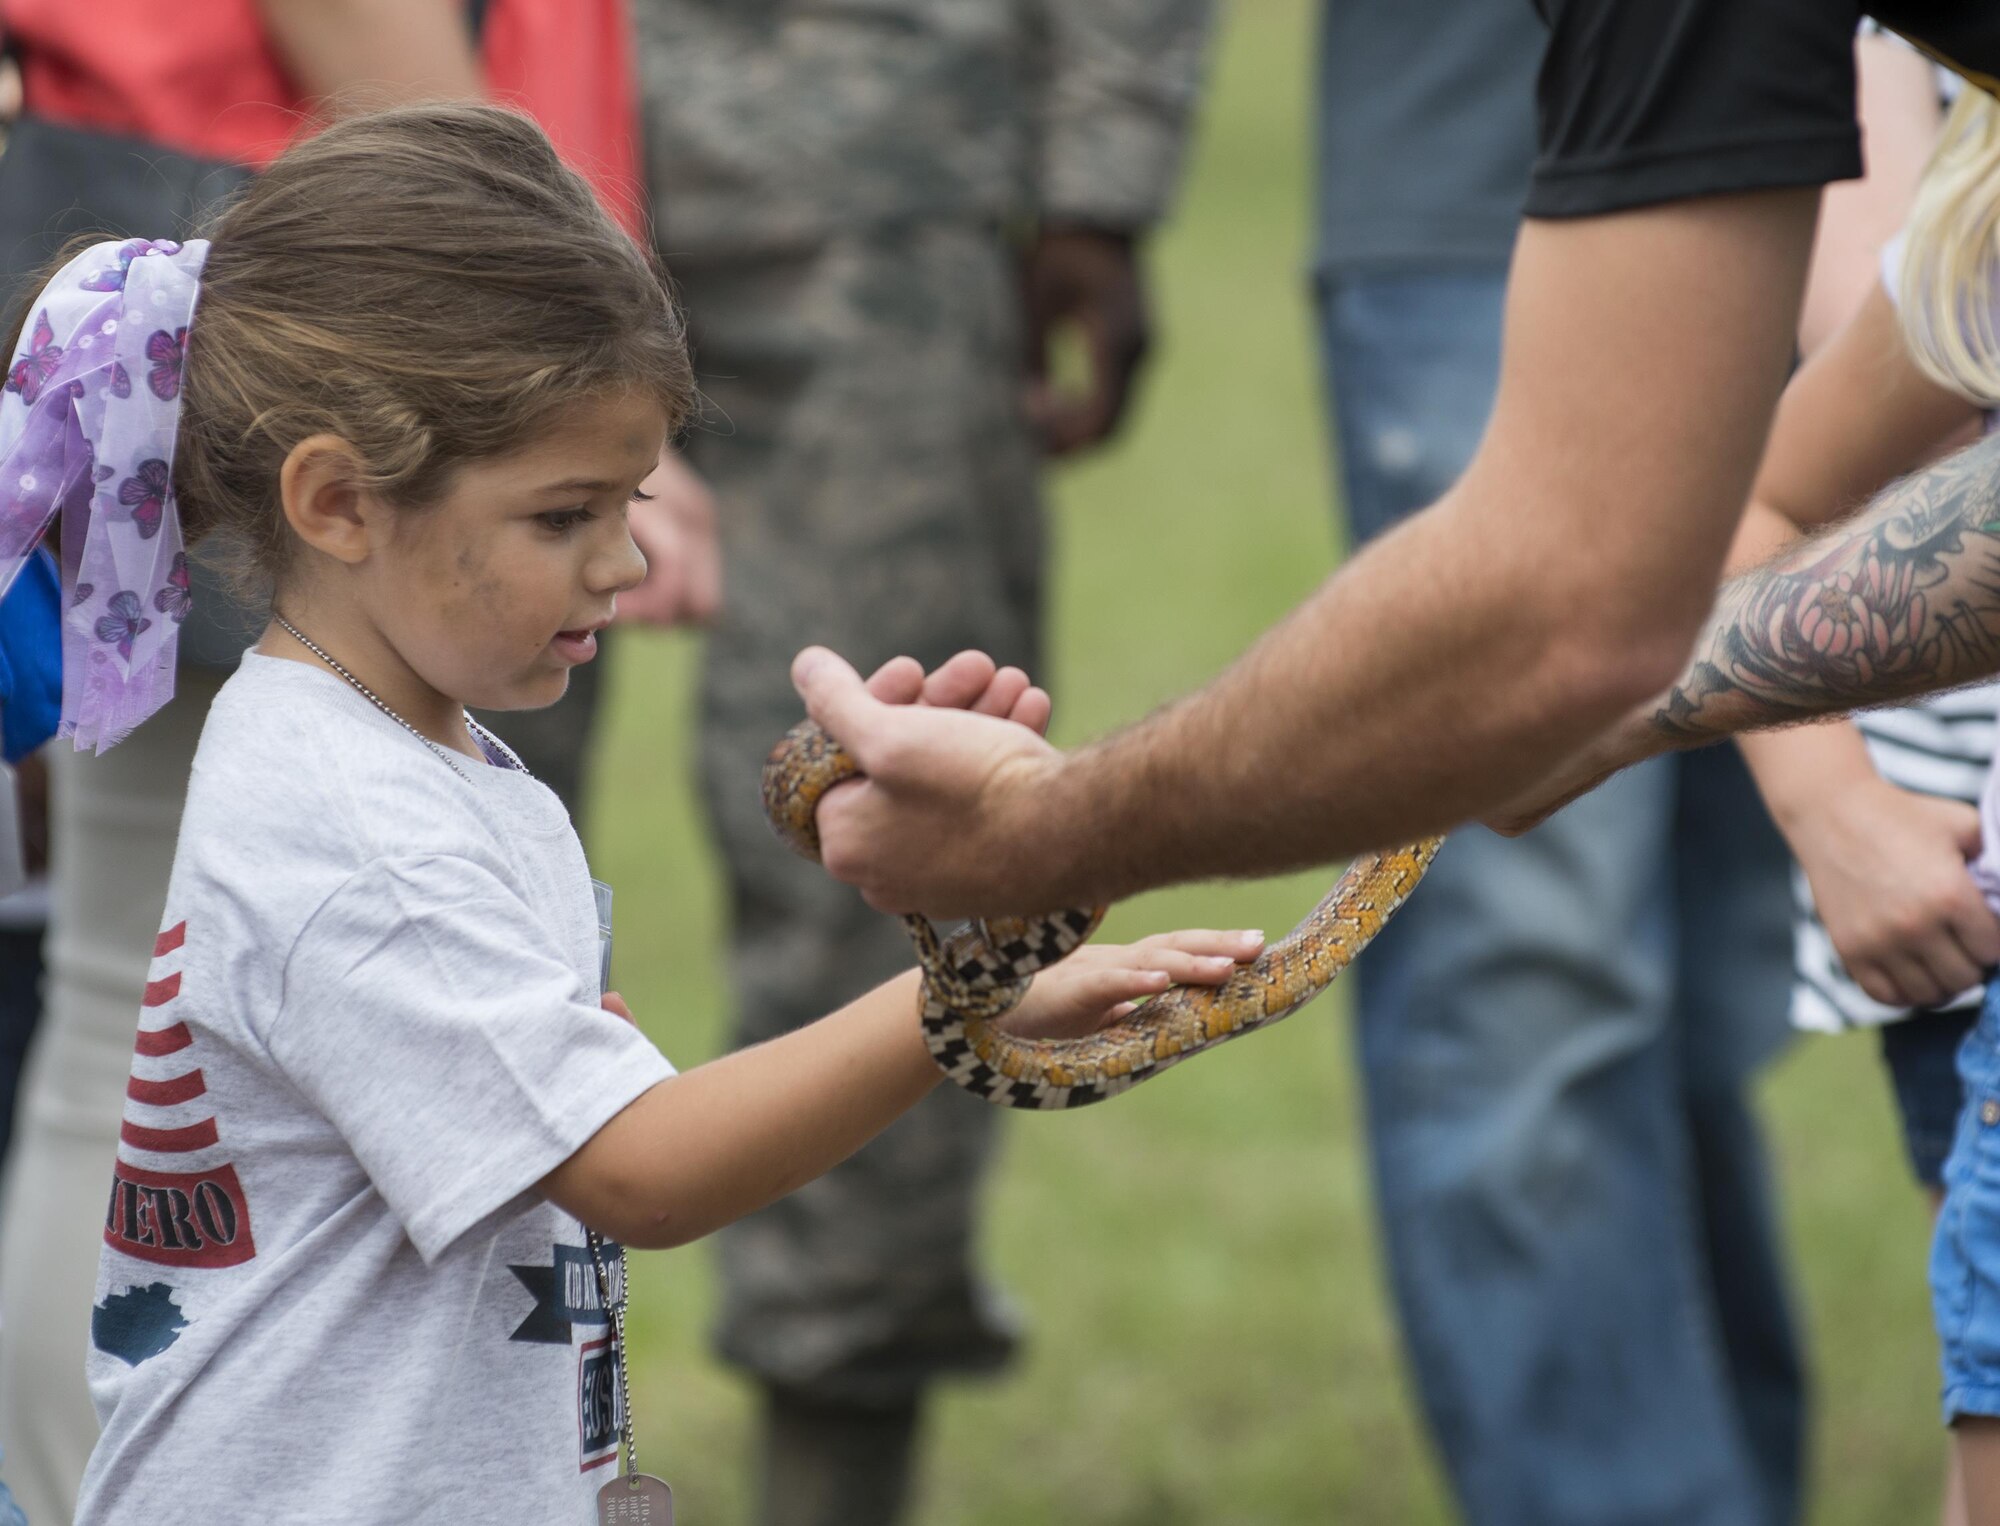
[{"x": 876, "y": 490}]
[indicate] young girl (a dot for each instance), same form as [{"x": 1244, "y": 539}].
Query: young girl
[
  {"x": 1894, "y": 932},
  {"x": 383, "y": 1137}
]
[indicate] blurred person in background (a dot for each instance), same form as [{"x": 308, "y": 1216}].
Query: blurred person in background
[
  {"x": 879, "y": 217},
  {"x": 232, "y": 81}
]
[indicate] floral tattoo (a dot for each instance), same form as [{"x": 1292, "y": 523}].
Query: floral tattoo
[{"x": 1901, "y": 600}]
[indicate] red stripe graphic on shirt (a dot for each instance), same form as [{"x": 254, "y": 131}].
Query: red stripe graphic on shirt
[
  {"x": 154, "y": 1042},
  {"x": 196, "y": 1136},
  {"x": 160, "y": 992},
  {"x": 170, "y": 940},
  {"x": 166, "y": 1093},
  {"x": 194, "y": 1218}
]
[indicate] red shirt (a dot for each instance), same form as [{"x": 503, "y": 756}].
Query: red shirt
[{"x": 200, "y": 76}]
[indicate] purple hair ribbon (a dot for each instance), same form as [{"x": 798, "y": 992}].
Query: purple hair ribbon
[{"x": 88, "y": 416}]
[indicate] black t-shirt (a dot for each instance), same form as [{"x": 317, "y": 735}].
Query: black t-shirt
[{"x": 1644, "y": 101}]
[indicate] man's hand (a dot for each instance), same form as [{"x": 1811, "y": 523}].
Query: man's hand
[
  {"x": 968, "y": 681},
  {"x": 922, "y": 830},
  {"x": 674, "y": 529},
  {"x": 1088, "y": 278},
  {"x": 10, "y": 90}
]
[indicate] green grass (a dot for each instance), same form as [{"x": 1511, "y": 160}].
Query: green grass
[{"x": 1198, "y": 1261}]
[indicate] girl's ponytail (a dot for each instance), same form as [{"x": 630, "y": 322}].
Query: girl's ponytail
[{"x": 1949, "y": 298}]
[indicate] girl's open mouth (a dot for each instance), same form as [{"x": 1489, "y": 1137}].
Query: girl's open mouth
[{"x": 577, "y": 645}]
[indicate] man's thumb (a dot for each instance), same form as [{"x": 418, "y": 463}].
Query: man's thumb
[{"x": 834, "y": 694}]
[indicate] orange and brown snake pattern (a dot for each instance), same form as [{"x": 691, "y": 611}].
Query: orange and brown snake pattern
[{"x": 974, "y": 977}]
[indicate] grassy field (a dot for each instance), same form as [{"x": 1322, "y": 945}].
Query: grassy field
[{"x": 1210, "y": 1337}]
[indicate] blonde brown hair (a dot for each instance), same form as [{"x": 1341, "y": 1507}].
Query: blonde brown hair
[
  {"x": 1949, "y": 289},
  {"x": 430, "y": 284}
]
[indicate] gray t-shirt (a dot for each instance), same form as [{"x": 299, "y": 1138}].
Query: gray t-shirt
[
  {"x": 1426, "y": 129},
  {"x": 327, "y": 1290}
]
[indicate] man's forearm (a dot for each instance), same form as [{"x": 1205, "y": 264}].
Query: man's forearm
[
  {"x": 1902, "y": 600},
  {"x": 1423, "y": 683}
]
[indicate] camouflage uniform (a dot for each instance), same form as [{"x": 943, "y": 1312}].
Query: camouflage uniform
[{"x": 839, "y": 186}]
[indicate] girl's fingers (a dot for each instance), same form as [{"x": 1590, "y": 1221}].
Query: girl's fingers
[
  {"x": 1912, "y": 983},
  {"x": 1101, "y": 990},
  {"x": 1951, "y": 970},
  {"x": 1874, "y": 980},
  {"x": 1191, "y": 969},
  {"x": 1235, "y": 944},
  {"x": 1977, "y": 929}
]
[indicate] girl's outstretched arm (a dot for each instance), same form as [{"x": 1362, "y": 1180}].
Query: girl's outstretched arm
[{"x": 704, "y": 1148}]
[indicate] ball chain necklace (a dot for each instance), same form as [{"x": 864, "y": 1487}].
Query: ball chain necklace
[{"x": 634, "y": 1498}]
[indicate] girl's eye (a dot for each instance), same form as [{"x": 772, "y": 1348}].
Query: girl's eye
[
  {"x": 642, "y": 497},
  {"x": 562, "y": 521}
]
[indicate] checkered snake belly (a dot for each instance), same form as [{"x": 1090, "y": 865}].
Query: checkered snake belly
[{"x": 974, "y": 976}]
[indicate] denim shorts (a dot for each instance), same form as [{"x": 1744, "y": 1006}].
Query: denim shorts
[
  {"x": 1922, "y": 1055},
  {"x": 1965, "y": 1254}
]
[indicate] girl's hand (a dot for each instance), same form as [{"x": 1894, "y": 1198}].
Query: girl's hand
[
  {"x": 1888, "y": 872},
  {"x": 1101, "y": 983}
]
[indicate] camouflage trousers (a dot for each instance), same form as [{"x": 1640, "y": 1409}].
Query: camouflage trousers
[{"x": 877, "y": 492}]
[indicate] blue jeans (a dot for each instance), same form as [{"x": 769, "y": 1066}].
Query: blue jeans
[
  {"x": 1965, "y": 1252},
  {"x": 1557, "y": 1036}
]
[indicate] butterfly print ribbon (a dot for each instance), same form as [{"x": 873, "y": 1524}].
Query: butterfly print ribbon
[{"x": 88, "y": 416}]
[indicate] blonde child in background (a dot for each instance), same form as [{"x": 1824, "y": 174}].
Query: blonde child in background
[
  {"x": 1880, "y": 811},
  {"x": 385, "y": 1133}
]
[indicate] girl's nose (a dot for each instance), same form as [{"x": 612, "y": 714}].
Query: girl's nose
[{"x": 619, "y": 566}]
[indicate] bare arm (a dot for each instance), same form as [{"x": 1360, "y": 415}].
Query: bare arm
[
  {"x": 1452, "y": 662},
  {"x": 369, "y": 54},
  {"x": 1896, "y": 98},
  {"x": 1902, "y": 600},
  {"x": 700, "y": 1150}
]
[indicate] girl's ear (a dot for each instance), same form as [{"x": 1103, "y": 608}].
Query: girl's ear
[{"x": 320, "y": 486}]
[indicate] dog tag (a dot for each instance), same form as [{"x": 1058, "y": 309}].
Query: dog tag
[{"x": 637, "y": 1500}]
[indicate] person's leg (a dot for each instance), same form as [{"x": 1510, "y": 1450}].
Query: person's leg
[
  {"x": 20, "y": 1012},
  {"x": 1975, "y": 1454},
  {"x": 1734, "y": 994},
  {"x": 1965, "y": 1273},
  {"x": 1524, "y": 1111},
  {"x": 1921, "y": 1054},
  {"x": 115, "y": 819},
  {"x": 876, "y": 492}
]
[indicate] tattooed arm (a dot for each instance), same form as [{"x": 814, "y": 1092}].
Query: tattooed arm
[{"x": 1902, "y": 600}]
